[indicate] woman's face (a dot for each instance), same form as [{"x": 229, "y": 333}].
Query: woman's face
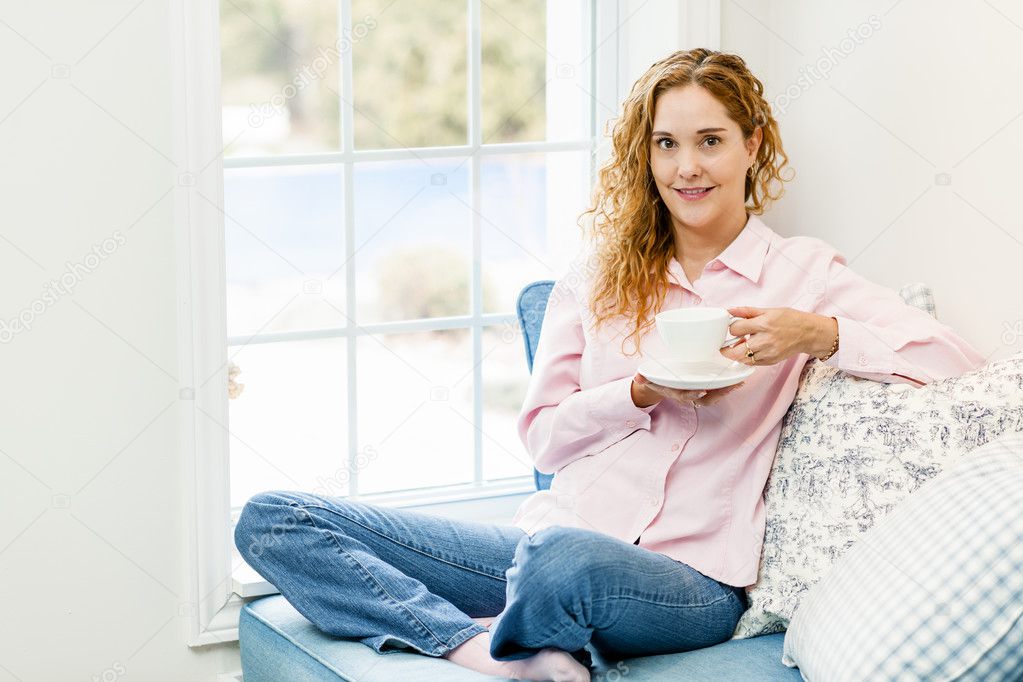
[{"x": 695, "y": 144}]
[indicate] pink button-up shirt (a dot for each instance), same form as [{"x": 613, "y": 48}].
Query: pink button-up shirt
[{"x": 689, "y": 482}]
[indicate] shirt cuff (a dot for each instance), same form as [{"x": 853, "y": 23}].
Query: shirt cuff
[
  {"x": 611, "y": 404},
  {"x": 861, "y": 349}
]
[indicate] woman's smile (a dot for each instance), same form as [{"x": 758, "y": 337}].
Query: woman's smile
[{"x": 693, "y": 194}]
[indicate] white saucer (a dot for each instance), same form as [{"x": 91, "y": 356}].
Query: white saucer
[{"x": 684, "y": 374}]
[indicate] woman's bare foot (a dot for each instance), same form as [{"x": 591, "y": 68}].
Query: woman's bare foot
[{"x": 551, "y": 665}]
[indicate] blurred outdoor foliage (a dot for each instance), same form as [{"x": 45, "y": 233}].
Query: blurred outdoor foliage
[
  {"x": 409, "y": 69},
  {"x": 427, "y": 281}
]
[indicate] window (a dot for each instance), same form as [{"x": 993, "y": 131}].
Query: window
[
  {"x": 394, "y": 172},
  {"x": 519, "y": 225}
]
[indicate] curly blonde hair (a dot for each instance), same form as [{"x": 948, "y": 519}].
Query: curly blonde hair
[{"x": 630, "y": 226}]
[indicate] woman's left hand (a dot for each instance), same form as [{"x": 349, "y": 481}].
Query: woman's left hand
[{"x": 775, "y": 334}]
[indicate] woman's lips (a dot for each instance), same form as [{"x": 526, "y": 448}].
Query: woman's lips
[{"x": 693, "y": 197}]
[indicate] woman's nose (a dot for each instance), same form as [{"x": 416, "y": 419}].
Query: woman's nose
[{"x": 688, "y": 165}]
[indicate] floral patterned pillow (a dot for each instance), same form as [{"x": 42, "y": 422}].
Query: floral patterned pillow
[{"x": 850, "y": 450}]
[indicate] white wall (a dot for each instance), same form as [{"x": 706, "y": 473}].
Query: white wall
[
  {"x": 93, "y": 575},
  {"x": 930, "y": 91}
]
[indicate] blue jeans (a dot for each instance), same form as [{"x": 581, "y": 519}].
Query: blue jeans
[{"x": 398, "y": 579}]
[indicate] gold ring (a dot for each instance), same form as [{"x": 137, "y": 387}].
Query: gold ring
[{"x": 749, "y": 354}]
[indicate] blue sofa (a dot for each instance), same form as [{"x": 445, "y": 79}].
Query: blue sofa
[{"x": 278, "y": 644}]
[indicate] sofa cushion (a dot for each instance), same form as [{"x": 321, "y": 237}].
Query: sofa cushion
[
  {"x": 850, "y": 450},
  {"x": 278, "y": 643},
  {"x": 934, "y": 591}
]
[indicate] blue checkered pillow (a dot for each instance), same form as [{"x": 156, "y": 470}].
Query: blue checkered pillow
[
  {"x": 932, "y": 592},
  {"x": 919, "y": 295}
]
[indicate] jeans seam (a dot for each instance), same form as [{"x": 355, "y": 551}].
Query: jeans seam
[
  {"x": 622, "y": 612},
  {"x": 414, "y": 548},
  {"x": 473, "y": 630},
  {"x": 418, "y": 623},
  {"x": 660, "y": 603}
]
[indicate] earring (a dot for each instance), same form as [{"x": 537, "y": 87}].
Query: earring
[{"x": 752, "y": 171}]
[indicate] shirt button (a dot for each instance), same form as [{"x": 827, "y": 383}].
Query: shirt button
[
  {"x": 696, "y": 299},
  {"x": 630, "y": 423},
  {"x": 674, "y": 446},
  {"x": 716, "y": 265}
]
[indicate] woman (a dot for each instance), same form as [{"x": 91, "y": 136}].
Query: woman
[{"x": 653, "y": 525}]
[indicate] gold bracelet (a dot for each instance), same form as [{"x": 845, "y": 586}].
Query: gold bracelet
[{"x": 834, "y": 346}]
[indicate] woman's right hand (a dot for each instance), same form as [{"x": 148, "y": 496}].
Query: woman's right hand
[{"x": 645, "y": 393}]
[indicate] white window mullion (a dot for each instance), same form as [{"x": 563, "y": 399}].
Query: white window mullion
[
  {"x": 457, "y": 152},
  {"x": 594, "y": 112},
  {"x": 347, "y": 147},
  {"x": 475, "y": 66},
  {"x": 605, "y": 77},
  {"x": 401, "y": 327}
]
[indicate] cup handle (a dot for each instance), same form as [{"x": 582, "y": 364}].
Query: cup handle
[{"x": 732, "y": 339}]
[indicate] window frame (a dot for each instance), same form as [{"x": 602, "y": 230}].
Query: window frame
[
  {"x": 473, "y": 153},
  {"x": 215, "y": 602}
]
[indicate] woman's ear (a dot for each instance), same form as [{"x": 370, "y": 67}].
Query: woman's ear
[{"x": 753, "y": 143}]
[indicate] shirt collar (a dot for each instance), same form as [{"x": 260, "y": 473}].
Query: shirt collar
[
  {"x": 747, "y": 252},
  {"x": 745, "y": 255}
]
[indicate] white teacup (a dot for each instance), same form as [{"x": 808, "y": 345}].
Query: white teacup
[{"x": 695, "y": 334}]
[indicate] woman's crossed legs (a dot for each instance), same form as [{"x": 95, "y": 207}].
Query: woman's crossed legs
[{"x": 395, "y": 579}]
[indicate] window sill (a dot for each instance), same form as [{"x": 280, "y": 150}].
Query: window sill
[{"x": 492, "y": 503}]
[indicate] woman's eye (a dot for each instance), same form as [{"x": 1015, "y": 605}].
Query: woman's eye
[{"x": 661, "y": 143}]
